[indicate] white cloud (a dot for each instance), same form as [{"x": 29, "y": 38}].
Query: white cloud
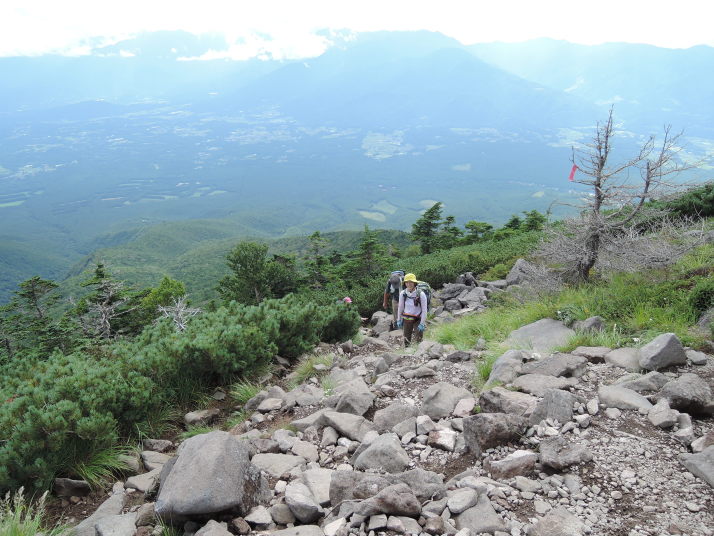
[{"x": 38, "y": 26}]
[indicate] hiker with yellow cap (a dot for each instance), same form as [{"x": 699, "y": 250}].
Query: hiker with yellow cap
[{"x": 412, "y": 310}]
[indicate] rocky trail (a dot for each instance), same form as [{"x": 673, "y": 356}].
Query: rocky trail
[{"x": 597, "y": 441}]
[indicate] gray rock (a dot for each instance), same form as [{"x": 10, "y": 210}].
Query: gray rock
[
  {"x": 557, "y": 453},
  {"x": 66, "y": 487},
  {"x": 202, "y": 417},
  {"x": 145, "y": 483},
  {"x": 661, "y": 415},
  {"x": 277, "y": 464},
  {"x": 351, "y": 485},
  {"x": 385, "y": 454},
  {"x": 318, "y": 482},
  {"x": 304, "y": 395},
  {"x": 559, "y": 522},
  {"x": 450, "y": 291},
  {"x": 700, "y": 464},
  {"x": 520, "y": 272},
  {"x": 442, "y": 439},
  {"x": 304, "y": 530},
  {"x": 540, "y": 336},
  {"x": 518, "y": 463},
  {"x": 397, "y": 499},
  {"x": 213, "y": 528},
  {"x": 122, "y": 525},
  {"x": 270, "y": 404},
  {"x": 348, "y": 425},
  {"x": 664, "y": 351},
  {"x": 146, "y": 515},
  {"x": 594, "y": 354},
  {"x": 594, "y": 323},
  {"x": 627, "y": 358},
  {"x": 212, "y": 473},
  {"x": 314, "y": 419},
  {"x": 568, "y": 365},
  {"x": 113, "y": 506},
  {"x": 259, "y": 517},
  {"x": 538, "y": 384},
  {"x": 507, "y": 367},
  {"x": 462, "y": 500},
  {"x": 614, "y": 396},
  {"x": 397, "y": 412},
  {"x": 424, "y": 425},
  {"x": 696, "y": 358},
  {"x": 486, "y": 430},
  {"x": 305, "y": 450},
  {"x": 480, "y": 518},
  {"x": 426, "y": 485},
  {"x": 154, "y": 460},
  {"x": 440, "y": 399},
  {"x": 652, "y": 381},
  {"x": 159, "y": 445},
  {"x": 281, "y": 514},
  {"x": 556, "y": 405},
  {"x": 301, "y": 503},
  {"x": 500, "y": 400},
  {"x": 688, "y": 393},
  {"x": 407, "y": 426},
  {"x": 459, "y": 355}
]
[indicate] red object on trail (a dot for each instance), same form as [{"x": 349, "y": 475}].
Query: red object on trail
[{"x": 572, "y": 173}]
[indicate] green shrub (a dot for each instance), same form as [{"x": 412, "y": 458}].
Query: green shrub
[
  {"x": 340, "y": 323},
  {"x": 299, "y": 324},
  {"x": 701, "y": 297}
]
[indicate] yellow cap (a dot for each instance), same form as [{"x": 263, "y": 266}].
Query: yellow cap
[{"x": 410, "y": 277}]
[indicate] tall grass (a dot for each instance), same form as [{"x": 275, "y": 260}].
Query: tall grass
[
  {"x": 306, "y": 368},
  {"x": 18, "y": 517},
  {"x": 102, "y": 465},
  {"x": 243, "y": 391}
]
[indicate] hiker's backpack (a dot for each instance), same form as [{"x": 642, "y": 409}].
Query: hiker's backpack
[
  {"x": 422, "y": 286},
  {"x": 396, "y": 281}
]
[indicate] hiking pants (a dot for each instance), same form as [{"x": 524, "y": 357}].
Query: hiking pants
[
  {"x": 395, "y": 310},
  {"x": 410, "y": 330}
]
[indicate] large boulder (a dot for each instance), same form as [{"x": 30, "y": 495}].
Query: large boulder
[
  {"x": 700, "y": 464},
  {"x": 439, "y": 400},
  {"x": 538, "y": 384},
  {"x": 558, "y": 365},
  {"x": 451, "y": 291},
  {"x": 212, "y": 474},
  {"x": 652, "y": 381},
  {"x": 397, "y": 499},
  {"x": 301, "y": 503},
  {"x": 500, "y": 400},
  {"x": 397, "y": 412},
  {"x": 614, "y": 396},
  {"x": 689, "y": 393},
  {"x": 520, "y": 273},
  {"x": 627, "y": 358},
  {"x": 556, "y": 405},
  {"x": 664, "y": 351},
  {"x": 541, "y": 336},
  {"x": 559, "y": 522},
  {"x": 353, "y": 485},
  {"x": 558, "y": 453},
  {"x": 348, "y": 425},
  {"x": 507, "y": 367},
  {"x": 486, "y": 430},
  {"x": 385, "y": 454}
]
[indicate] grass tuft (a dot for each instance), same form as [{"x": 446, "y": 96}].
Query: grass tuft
[
  {"x": 102, "y": 465},
  {"x": 18, "y": 517},
  {"x": 194, "y": 431},
  {"x": 306, "y": 368},
  {"x": 243, "y": 391}
]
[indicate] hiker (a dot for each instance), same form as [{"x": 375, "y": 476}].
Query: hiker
[
  {"x": 391, "y": 294},
  {"x": 412, "y": 310}
]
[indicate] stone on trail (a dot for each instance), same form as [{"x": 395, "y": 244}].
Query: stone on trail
[
  {"x": 66, "y": 487},
  {"x": 201, "y": 417},
  {"x": 461, "y": 500},
  {"x": 270, "y": 404},
  {"x": 301, "y": 503},
  {"x": 318, "y": 482},
  {"x": 594, "y": 323},
  {"x": 385, "y": 454},
  {"x": 594, "y": 354},
  {"x": 696, "y": 358},
  {"x": 568, "y": 365},
  {"x": 689, "y": 392},
  {"x": 559, "y": 522},
  {"x": 121, "y": 525},
  {"x": 501, "y": 400},
  {"x": 442, "y": 439},
  {"x": 664, "y": 351},
  {"x": 348, "y": 425},
  {"x": 556, "y": 405},
  {"x": 698, "y": 445},
  {"x": 303, "y": 530},
  {"x": 662, "y": 416},
  {"x": 627, "y": 358},
  {"x": 652, "y": 381},
  {"x": 440, "y": 399},
  {"x": 212, "y": 473},
  {"x": 154, "y": 460},
  {"x": 426, "y": 485},
  {"x": 558, "y": 453},
  {"x": 259, "y": 517},
  {"x": 540, "y": 336},
  {"x": 277, "y": 464},
  {"x": 614, "y": 396},
  {"x": 397, "y": 412},
  {"x": 518, "y": 463},
  {"x": 701, "y": 464},
  {"x": 397, "y": 499},
  {"x": 486, "y": 430},
  {"x": 538, "y": 384},
  {"x": 480, "y": 518},
  {"x": 464, "y": 407},
  {"x": 159, "y": 445},
  {"x": 507, "y": 367},
  {"x": 113, "y": 506},
  {"x": 145, "y": 483}
]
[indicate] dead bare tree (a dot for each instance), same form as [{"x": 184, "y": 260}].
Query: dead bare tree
[
  {"x": 179, "y": 312},
  {"x": 616, "y": 196}
]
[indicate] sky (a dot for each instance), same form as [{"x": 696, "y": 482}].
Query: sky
[{"x": 301, "y": 28}]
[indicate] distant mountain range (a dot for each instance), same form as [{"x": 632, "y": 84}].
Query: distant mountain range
[{"x": 94, "y": 149}]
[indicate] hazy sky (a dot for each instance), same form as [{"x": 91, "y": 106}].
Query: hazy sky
[{"x": 286, "y": 28}]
